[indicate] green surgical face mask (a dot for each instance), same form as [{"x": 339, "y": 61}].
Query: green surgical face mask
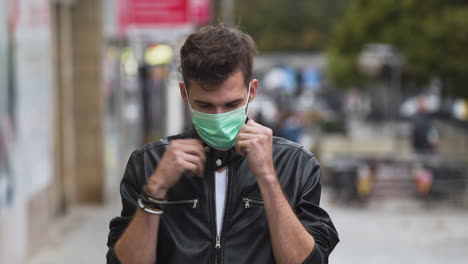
[{"x": 220, "y": 130}]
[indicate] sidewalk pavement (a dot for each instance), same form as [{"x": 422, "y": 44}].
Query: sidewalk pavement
[
  {"x": 387, "y": 232},
  {"x": 80, "y": 237},
  {"x": 401, "y": 232}
]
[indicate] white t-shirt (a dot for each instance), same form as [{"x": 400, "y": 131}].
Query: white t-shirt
[{"x": 220, "y": 187}]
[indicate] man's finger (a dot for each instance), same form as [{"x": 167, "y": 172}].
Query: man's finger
[
  {"x": 196, "y": 160},
  {"x": 255, "y": 124},
  {"x": 251, "y": 129},
  {"x": 195, "y": 149},
  {"x": 252, "y": 123},
  {"x": 188, "y": 166},
  {"x": 237, "y": 148},
  {"x": 246, "y": 136},
  {"x": 242, "y": 147},
  {"x": 191, "y": 141}
]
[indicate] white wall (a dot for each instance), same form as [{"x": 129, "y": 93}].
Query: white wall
[
  {"x": 34, "y": 95},
  {"x": 31, "y": 144}
]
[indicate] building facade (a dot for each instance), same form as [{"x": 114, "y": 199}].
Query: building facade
[{"x": 51, "y": 111}]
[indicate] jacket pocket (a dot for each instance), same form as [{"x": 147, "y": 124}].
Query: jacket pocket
[
  {"x": 249, "y": 214},
  {"x": 181, "y": 209},
  {"x": 194, "y": 203},
  {"x": 249, "y": 202}
]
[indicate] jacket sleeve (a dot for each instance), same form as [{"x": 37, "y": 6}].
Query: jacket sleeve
[
  {"x": 315, "y": 220},
  {"x": 129, "y": 191}
]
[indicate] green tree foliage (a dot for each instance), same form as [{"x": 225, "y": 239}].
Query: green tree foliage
[
  {"x": 289, "y": 25},
  {"x": 432, "y": 36}
]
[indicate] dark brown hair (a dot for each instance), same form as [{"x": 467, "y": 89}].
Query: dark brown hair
[{"x": 213, "y": 53}]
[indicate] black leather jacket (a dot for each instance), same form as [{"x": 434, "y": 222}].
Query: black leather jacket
[{"x": 187, "y": 232}]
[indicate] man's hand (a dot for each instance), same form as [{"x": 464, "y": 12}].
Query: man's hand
[
  {"x": 182, "y": 155},
  {"x": 140, "y": 239},
  {"x": 290, "y": 241},
  {"x": 255, "y": 142}
]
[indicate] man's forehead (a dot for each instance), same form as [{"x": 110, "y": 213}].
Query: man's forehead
[
  {"x": 223, "y": 94},
  {"x": 235, "y": 77},
  {"x": 233, "y": 85}
]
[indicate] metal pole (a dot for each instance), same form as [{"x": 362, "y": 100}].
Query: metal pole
[{"x": 227, "y": 9}]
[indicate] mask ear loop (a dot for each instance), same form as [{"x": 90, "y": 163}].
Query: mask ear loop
[
  {"x": 188, "y": 100},
  {"x": 247, "y": 103}
]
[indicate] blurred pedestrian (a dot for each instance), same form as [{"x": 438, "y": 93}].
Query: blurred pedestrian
[
  {"x": 424, "y": 135},
  {"x": 290, "y": 126}
]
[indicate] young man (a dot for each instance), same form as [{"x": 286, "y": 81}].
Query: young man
[{"x": 226, "y": 191}]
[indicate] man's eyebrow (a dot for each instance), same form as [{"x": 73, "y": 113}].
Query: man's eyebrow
[
  {"x": 202, "y": 102},
  {"x": 234, "y": 101},
  {"x": 208, "y": 103}
]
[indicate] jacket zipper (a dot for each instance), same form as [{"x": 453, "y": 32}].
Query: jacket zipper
[
  {"x": 212, "y": 203},
  {"x": 194, "y": 202},
  {"x": 218, "y": 241},
  {"x": 248, "y": 202},
  {"x": 218, "y": 237}
]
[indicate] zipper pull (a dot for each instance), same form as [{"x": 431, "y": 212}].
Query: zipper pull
[
  {"x": 195, "y": 203},
  {"x": 247, "y": 202},
  {"x": 218, "y": 241}
]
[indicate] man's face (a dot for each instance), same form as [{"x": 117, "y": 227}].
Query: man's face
[{"x": 228, "y": 96}]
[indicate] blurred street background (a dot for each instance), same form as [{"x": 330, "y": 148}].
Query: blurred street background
[{"x": 375, "y": 89}]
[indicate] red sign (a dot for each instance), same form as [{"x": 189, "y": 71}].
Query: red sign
[
  {"x": 200, "y": 11},
  {"x": 147, "y": 13}
]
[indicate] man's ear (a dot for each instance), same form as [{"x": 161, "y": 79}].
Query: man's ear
[
  {"x": 253, "y": 89},
  {"x": 183, "y": 92}
]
